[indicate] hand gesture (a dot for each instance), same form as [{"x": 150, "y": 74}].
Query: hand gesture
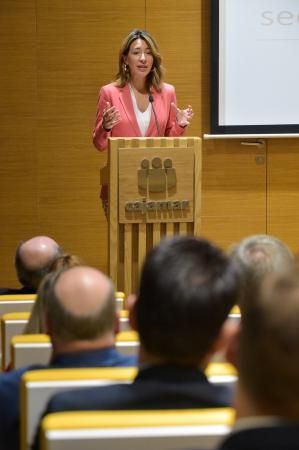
[
  {"x": 183, "y": 116},
  {"x": 111, "y": 117}
]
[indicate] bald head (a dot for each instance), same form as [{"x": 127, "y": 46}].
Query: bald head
[
  {"x": 83, "y": 291},
  {"x": 80, "y": 303},
  {"x": 33, "y": 259},
  {"x": 37, "y": 252}
]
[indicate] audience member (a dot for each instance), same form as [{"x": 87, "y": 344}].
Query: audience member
[
  {"x": 258, "y": 255},
  {"x": 32, "y": 261},
  {"x": 267, "y": 396},
  {"x": 36, "y": 323},
  {"x": 81, "y": 320},
  {"x": 187, "y": 289}
]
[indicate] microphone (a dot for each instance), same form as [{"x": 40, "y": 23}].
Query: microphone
[{"x": 151, "y": 99}]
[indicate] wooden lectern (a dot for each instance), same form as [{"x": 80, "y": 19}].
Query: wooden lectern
[{"x": 154, "y": 192}]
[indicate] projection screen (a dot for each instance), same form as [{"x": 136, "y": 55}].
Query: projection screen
[{"x": 255, "y": 66}]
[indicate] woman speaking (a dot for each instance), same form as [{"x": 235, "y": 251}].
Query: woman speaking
[{"x": 138, "y": 103}]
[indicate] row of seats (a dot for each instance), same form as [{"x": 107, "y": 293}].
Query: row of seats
[
  {"x": 149, "y": 430},
  {"x": 26, "y": 349},
  {"x": 13, "y": 324},
  {"x": 23, "y": 303},
  {"x": 166, "y": 429},
  {"x": 14, "y": 315},
  {"x": 29, "y": 349},
  {"x": 36, "y": 349},
  {"x": 39, "y": 385}
]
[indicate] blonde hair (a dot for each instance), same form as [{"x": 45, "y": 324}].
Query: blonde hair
[
  {"x": 36, "y": 323},
  {"x": 154, "y": 78}
]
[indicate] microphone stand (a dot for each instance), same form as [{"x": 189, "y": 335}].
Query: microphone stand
[{"x": 151, "y": 99}]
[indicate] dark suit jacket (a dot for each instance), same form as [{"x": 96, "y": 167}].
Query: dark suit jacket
[
  {"x": 283, "y": 436},
  {"x": 156, "y": 387},
  {"x": 10, "y": 383},
  {"x": 11, "y": 291}
]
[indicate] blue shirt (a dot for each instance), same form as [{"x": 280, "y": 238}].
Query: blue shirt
[{"x": 10, "y": 385}]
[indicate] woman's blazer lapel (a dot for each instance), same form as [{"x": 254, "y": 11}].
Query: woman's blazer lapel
[{"x": 126, "y": 101}]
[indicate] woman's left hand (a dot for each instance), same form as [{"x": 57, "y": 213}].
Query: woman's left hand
[{"x": 183, "y": 116}]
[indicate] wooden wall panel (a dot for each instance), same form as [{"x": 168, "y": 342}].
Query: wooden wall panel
[
  {"x": 283, "y": 190},
  {"x": 77, "y": 53},
  {"x": 177, "y": 29},
  {"x": 18, "y": 158},
  {"x": 55, "y": 55},
  {"x": 233, "y": 185},
  {"x": 234, "y": 191}
]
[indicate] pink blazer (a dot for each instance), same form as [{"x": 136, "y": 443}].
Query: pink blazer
[{"x": 128, "y": 127}]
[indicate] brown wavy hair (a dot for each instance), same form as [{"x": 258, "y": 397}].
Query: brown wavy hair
[{"x": 154, "y": 78}]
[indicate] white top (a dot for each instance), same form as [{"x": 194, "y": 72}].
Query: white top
[{"x": 143, "y": 118}]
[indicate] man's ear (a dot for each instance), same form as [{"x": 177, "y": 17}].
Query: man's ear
[
  {"x": 116, "y": 323},
  {"x": 225, "y": 339},
  {"x": 233, "y": 346},
  {"x": 131, "y": 306},
  {"x": 48, "y": 324}
]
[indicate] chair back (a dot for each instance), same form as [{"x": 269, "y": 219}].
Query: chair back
[
  {"x": 124, "y": 324},
  {"x": 235, "y": 313},
  {"x": 37, "y": 386},
  {"x": 221, "y": 372},
  {"x": 36, "y": 348},
  {"x": 12, "y": 324},
  {"x": 127, "y": 342},
  {"x": 16, "y": 303},
  {"x": 120, "y": 300},
  {"x": 29, "y": 349},
  {"x": 149, "y": 430}
]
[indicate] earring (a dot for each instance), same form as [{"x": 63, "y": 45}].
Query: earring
[{"x": 125, "y": 67}]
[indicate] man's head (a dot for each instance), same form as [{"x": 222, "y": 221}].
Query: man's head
[
  {"x": 187, "y": 289},
  {"x": 269, "y": 349},
  {"x": 258, "y": 255},
  {"x": 34, "y": 258},
  {"x": 79, "y": 305}
]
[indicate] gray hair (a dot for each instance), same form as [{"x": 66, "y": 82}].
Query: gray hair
[{"x": 257, "y": 256}]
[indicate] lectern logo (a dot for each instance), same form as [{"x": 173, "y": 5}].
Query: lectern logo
[{"x": 155, "y": 176}]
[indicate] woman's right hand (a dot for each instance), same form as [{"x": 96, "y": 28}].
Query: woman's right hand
[{"x": 111, "y": 117}]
